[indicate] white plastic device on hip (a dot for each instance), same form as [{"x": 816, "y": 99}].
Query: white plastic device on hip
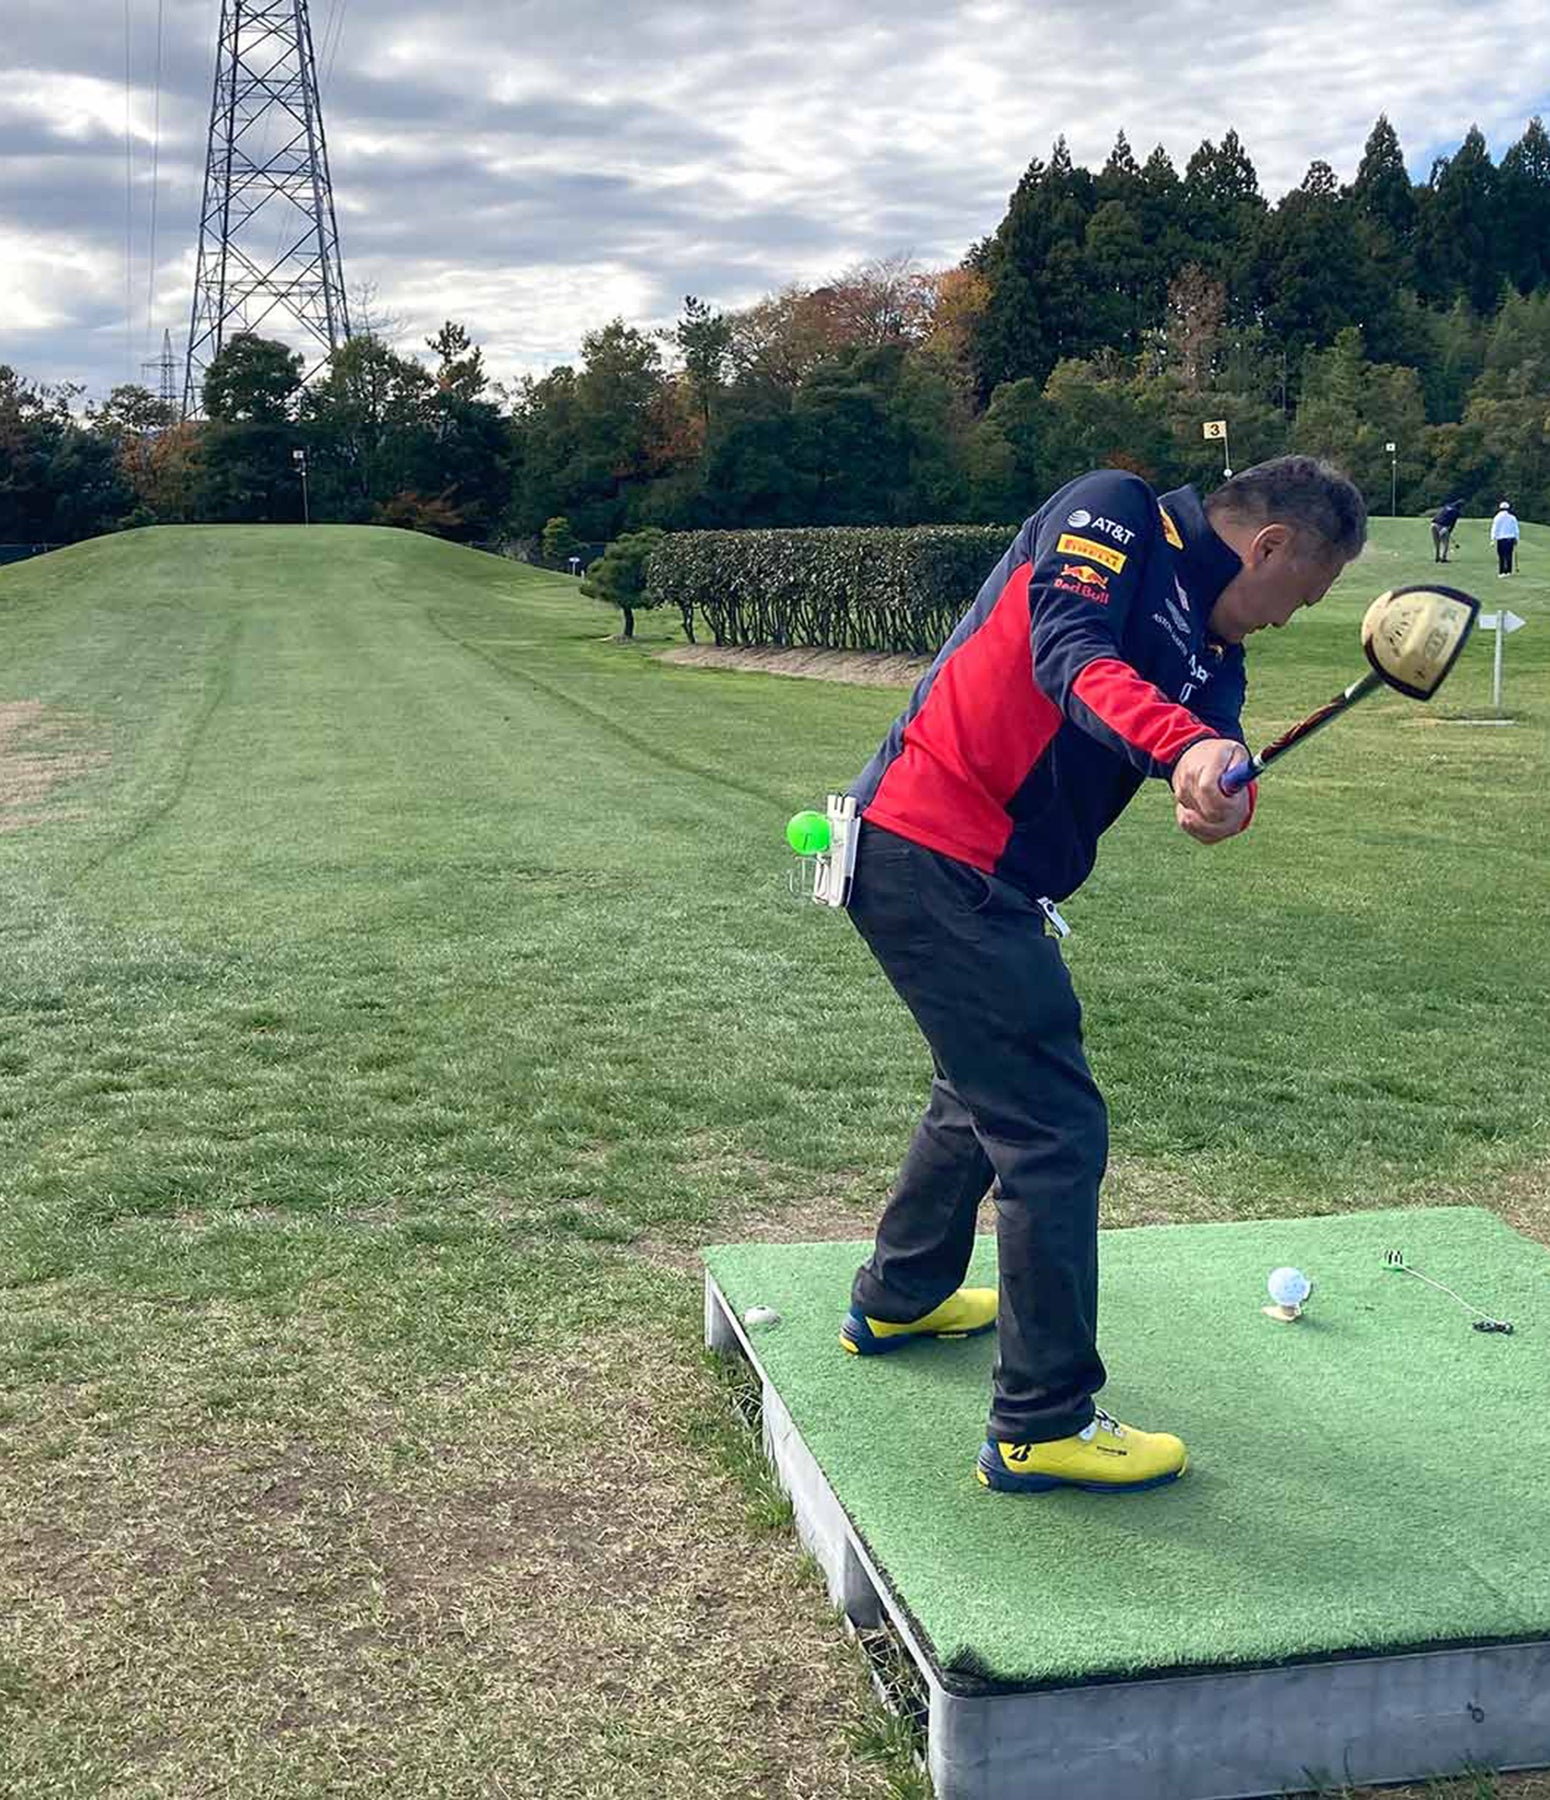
[{"x": 1052, "y": 913}]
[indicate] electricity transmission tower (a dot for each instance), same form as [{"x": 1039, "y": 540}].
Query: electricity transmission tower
[
  {"x": 167, "y": 373},
  {"x": 268, "y": 242}
]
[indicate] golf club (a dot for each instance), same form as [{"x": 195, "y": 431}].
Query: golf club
[
  {"x": 1395, "y": 1260},
  {"x": 1412, "y": 637}
]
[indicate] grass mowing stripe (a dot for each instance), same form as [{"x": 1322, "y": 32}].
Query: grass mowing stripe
[
  {"x": 157, "y": 809},
  {"x": 594, "y": 716}
]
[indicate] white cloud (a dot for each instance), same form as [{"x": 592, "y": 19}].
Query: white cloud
[
  {"x": 36, "y": 276},
  {"x": 76, "y": 107},
  {"x": 537, "y": 170}
]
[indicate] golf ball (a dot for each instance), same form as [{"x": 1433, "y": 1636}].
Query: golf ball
[
  {"x": 761, "y": 1315},
  {"x": 808, "y": 833},
  {"x": 1289, "y": 1287}
]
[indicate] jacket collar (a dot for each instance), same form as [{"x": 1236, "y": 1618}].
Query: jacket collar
[{"x": 1206, "y": 564}]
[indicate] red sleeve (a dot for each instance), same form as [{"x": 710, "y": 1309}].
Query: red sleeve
[{"x": 1126, "y": 703}]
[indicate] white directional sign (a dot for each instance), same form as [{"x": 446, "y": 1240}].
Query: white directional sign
[{"x": 1503, "y": 623}]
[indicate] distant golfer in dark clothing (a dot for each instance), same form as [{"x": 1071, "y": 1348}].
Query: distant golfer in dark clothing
[
  {"x": 1106, "y": 646},
  {"x": 1504, "y": 534},
  {"x": 1443, "y": 522}
]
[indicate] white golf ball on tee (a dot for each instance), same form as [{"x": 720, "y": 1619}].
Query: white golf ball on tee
[{"x": 1289, "y": 1287}]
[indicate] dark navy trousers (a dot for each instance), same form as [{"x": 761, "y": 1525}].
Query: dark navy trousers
[{"x": 1012, "y": 1100}]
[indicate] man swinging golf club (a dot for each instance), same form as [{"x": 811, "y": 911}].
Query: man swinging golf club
[{"x": 1105, "y": 647}]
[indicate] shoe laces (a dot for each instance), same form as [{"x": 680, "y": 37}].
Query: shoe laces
[{"x": 1102, "y": 1421}]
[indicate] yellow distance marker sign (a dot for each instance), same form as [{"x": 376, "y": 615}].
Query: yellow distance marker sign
[{"x": 1071, "y": 545}]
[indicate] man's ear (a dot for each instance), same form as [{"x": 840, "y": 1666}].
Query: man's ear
[{"x": 1270, "y": 540}]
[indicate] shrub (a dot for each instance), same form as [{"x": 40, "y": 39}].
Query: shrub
[
  {"x": 837, "y": 588},
  {"x": 618, "y": 577}
]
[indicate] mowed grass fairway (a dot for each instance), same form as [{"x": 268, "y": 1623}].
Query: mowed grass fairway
[{"x": 400, "y": 982}]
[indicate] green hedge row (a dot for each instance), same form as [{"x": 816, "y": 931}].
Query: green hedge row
[{"x": 838, "y": 587}]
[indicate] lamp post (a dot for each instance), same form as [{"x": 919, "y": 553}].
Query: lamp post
[
  {"x": 299, "y": 457},
  {"x": 1393, "y": 450}
]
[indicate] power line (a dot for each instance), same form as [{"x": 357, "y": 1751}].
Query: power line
[
  {"x": 129, "y": 207},
  {"x": 150, "y": 297},
  {"x": 340, "y": 9}
]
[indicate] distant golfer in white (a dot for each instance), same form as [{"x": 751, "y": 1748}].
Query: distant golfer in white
[{"x": 1504, "y": 534}]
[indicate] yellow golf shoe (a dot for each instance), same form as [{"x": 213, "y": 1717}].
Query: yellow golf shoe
[
  {"x": 963, "y": 1314},
  {"x": 1106, "y": 1458}
]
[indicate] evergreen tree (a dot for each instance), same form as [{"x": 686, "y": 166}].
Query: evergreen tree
[
  {"x": 1312, "y": 275},
  {"x": 459, "y": 362},
  {"x": 618, "y": 577},
  {"x": 1120, "y": 177},
  {"x": 1010, "y": 338},
  {"x": 1459, "y": 242},
  {"x": 1039, "y": 305},
  {"x": 59, "y": 482},
  {"x": 367, "y": 430},
  {"x": 1220, "y": 210},
  {"x": 1507, "y": 404},
  {"x": 704, "y": 339},
  {"x": 850, "y": 447},
  {"x": 1104, "y": 416},
  {"x": 1351, "y": 408},
  {"x": 1524, "y": 195},
  {"x": 1004, "y": 455},
  {"x": 246, "y": 472},
  {"x": 1382, "y": 191},
  {"x": 251, "y": 380}
]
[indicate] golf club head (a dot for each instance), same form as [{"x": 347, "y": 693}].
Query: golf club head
[{"x": 1413, "y": 636}]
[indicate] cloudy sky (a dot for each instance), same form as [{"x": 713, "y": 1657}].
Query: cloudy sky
[{"x": 534, "y": 168}]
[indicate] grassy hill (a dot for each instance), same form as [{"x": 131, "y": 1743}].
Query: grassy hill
[{"x": 401, "y": 980}]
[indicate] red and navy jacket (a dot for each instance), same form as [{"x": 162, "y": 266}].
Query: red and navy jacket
[{"x": 1083, "y": 666}]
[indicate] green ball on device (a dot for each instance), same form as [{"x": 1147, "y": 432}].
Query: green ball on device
[{"x": 808, "y": 833}]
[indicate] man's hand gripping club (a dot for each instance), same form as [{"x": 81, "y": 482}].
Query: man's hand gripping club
[{"x": 1200, "y": 806}]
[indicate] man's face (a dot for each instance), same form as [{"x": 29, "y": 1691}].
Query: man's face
[{"x": 1281, "y": 574}]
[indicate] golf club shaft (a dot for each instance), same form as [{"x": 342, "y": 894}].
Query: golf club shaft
[
  {"x": 1241, "y": 774},
  {"x": 1442, "y": 1288}
]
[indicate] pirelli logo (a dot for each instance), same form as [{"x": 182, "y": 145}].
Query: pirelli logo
[{"x": 1072, "y": 545}]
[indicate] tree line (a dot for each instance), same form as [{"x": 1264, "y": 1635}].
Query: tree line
[{"x": 1108, "y": 316}]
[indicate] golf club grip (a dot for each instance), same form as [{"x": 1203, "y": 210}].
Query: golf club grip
[{"x": 1240, "y": 775}]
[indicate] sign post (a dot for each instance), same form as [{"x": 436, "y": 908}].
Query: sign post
[
  {"x": 1212, "y": 429},
  {"x": 1503, "y": 623},
  {"x": 299, "y": 457}
]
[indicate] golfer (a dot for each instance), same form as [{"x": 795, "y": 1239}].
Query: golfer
[
  {"x": 1504, "y": 534},
  {"x": 1443, "y": 521},
  {"x": 1105, "y": 647}
]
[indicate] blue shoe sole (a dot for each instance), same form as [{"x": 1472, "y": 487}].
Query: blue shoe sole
[
  {"x": 993, "y": 1475},
  {"x": 858, "y": 1337}
]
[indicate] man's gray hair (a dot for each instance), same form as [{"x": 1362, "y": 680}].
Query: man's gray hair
[{"x": 1301, "y": 491}]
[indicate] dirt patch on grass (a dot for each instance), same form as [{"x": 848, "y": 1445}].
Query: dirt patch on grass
[
  {"x": 857, "y": 668},
  {"x": 40, "y": 748},
  {"x": 1520, "y": 1196},
  {"x": 534, "y": 1587}
]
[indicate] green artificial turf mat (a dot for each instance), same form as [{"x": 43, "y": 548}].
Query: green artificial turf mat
[{"x": 1375, "y": 1477}]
